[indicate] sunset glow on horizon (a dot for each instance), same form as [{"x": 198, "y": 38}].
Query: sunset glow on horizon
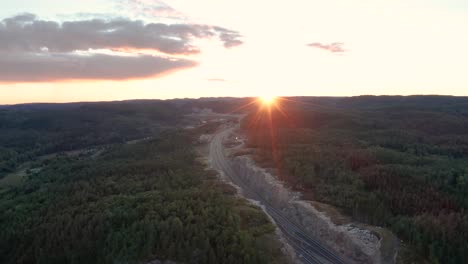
[
  {"x": 267, "y": 99},
  {"x": 150, "y": 49}
]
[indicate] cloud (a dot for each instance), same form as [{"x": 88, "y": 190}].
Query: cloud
[
  {"x": 335, "y": 47},
  {"x": 33, "y": 50},
  {"x": 31, "y": 67},
  {"x": 230, "y": 38},
  {"x": 26, "y": 33}
]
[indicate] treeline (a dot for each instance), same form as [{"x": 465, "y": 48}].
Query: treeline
[
  {"x": 131, "y": 204},
  {"x": 400, "y": 162}
]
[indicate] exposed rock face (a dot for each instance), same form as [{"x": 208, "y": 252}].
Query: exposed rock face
[{"x": 357, "y": 244}]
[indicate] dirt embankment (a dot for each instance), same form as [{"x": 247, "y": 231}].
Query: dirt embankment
[{"x": 357, "y": 242}]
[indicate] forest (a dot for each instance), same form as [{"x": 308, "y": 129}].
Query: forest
[
  {"x": 398, "y": 162},
  {"x": 128, "y": 202},
  {"x": 131, "y": 204},
  {"x": 133, "y": 190},
  {"x": 29, "y": 131}
]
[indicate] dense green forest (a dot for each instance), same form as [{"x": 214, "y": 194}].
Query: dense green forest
[
  {"x": 132, "y": 203},
  {"x": 29, "y": 131},
  {"x": 399, "y": 162}
]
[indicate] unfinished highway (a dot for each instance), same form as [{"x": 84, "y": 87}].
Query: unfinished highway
[{"x": 308, "y": 249}]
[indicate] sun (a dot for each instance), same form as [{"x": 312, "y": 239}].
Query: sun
[{"x": 268, "y": 99}]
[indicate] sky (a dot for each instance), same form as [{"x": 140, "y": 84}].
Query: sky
[{"x": 102, "y": 50}]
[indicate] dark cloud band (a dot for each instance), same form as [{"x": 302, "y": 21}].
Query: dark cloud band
[
  {"x": 60, "y": 67},
  {"x": 27, "y": 33}
]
